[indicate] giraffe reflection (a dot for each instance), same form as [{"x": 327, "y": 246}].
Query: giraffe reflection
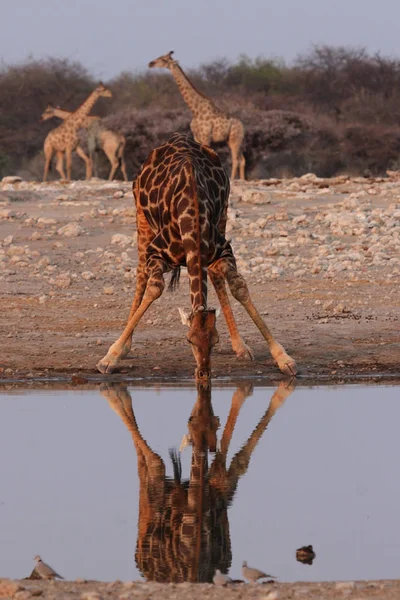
[{"x": 183, "y": 528}]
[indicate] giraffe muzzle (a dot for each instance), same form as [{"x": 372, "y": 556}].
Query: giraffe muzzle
[{"x": 202, "y": 375}]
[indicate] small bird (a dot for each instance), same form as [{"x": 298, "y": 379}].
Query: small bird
[
  {"x": 253, "y": 574},
  {"x": 221, "y": 579},
  {"x": 305, "y": 554},
  {"x": 44, "y": 570}
]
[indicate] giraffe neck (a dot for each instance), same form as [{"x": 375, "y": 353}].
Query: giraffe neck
[
  {"x": 192, "y": 97},
  {"x": 64, "y": 114},
  {"x": 61, "y": 114},
  {"x": 81, "y": 113}
]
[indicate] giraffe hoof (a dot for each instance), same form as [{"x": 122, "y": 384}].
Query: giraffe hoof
[
  {"x": 245, "y": 352},
  {"x": 288, "y": 368},
  {"x": 106, "y": 365}
]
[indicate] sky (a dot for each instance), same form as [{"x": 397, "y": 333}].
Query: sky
[{"x": 108, "y": 36}]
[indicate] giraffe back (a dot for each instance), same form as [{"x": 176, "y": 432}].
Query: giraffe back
[{"x": 182, "y": 190}]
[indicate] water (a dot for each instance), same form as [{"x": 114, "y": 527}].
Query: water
[{"x": 323, "y": 472}]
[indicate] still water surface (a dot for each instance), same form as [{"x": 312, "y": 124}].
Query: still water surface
[{"x": 318, "y": 467}]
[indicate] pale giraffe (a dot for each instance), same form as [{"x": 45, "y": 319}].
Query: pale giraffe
[
  {"x": 64, "y": 138},
  {"x": 209, "y": 123},
  {"x": 181, "y": 196},
  {"x": 99, "y": 138},
  {"x": 183, "y": 525}
]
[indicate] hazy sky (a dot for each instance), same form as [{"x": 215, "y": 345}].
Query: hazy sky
[{"x": 111, "y": 36}]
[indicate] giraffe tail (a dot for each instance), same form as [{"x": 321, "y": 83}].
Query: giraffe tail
[
  {"x": 176, "y": 464},
  {"x": 174, "y": 281}
]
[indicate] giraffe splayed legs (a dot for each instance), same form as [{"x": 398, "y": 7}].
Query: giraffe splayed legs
[
  {"x": 181, "y": 196},
  {"x": 183, "y": 531}
]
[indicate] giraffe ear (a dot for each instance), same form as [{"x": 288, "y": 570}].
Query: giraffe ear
[
  {"x": 170, "y": 53},
  {"x": 184, "y": 317},
  {"x": 186, "y": 441}
]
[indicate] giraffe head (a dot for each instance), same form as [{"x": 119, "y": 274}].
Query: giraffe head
[
  {"x": 202, "y": 336},
  {"x": 203, "y": 424},
  {"x": 101, "y": 90},
  {"x": 163, "y": 62},
  {"x": 48, "y": 113}
]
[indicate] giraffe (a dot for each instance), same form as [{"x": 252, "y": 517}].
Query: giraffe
[
  {"x": 113, "y": 145},
  {"x": 99, "y": 138},
  {"x": 209, "y": 123},
  {"x": 183, "y": 525},
  {"x": 64, "y": 138},
  {"x": 49, "y": 147},
  {"x": 181, "y": 196}
]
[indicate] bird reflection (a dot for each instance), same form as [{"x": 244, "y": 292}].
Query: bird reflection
[{"x": 183, "y": 529}]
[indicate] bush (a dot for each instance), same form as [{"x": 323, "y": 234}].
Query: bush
[{"x": 333, "y": 110}]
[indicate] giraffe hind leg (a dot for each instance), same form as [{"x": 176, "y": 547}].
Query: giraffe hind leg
[
  {"x": 60, "y": 164},
  {"x": 241, "y": 349},
  {"x": 240, "y": 292}
]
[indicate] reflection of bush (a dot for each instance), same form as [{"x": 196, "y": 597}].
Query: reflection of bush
[{"x": 333, "y": 110}]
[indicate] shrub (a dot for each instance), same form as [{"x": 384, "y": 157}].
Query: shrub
[{"x": 332, "y": 110}]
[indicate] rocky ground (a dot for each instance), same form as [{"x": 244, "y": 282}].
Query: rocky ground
[
  {"x": 322, "y": 259},
  {"x": 94, "y": 590}
]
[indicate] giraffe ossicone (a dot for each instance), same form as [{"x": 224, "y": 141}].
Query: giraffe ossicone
[{"x": 181, "y": 195}]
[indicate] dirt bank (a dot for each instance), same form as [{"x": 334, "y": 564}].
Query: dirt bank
[
  {"x": 93, "y": 590},
  {"x": 321, "y": 257}
]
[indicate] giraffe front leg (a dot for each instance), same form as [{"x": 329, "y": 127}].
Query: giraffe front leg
[
  {"x": 141, "y": 282},
  {"x": 48, "y": 153},
  {"x": 240, "y": 291},
  {"x": 87, "y": 161},
  {"x": 242, "y": 166},
  {"x": 154, "y": 289},
  {"x": 241, "y": 349},
  {"x": 68, "y": 155},
  {"x": 123, "y": 169},
  {"x": 282, "y": 392}
]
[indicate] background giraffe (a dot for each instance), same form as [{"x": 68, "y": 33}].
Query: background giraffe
[
  {"x": 181, "y": 198},
  {"x": 49, "y": 149},
  {"x": 64, "y": 139},
  {"x": 99, "y": 138},
  {"x": 183, "y": 525},
  {"x": 209, "y": 123}
]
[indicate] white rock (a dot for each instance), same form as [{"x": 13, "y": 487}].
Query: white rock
[
  {"x": 345, "y": 585},
  {"x": 274, "y": 595},
  {"x": 109, "y": 290},
  {"x": 11, "y": 179},
  {"x": 15, "y": 251},
  {"x": 45, "y": 221},
  {"x": 87, "y": 275},
  {"x": 121, "y": 239},
  {"x": 8, "y": 214},
  {"x": 71, "y": 230},
  {"x": 63, "y": 281},
  {"x": 8, "y": 240}
]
